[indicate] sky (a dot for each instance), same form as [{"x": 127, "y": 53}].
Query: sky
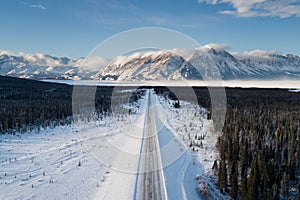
[{"x": 74, "y": 28}]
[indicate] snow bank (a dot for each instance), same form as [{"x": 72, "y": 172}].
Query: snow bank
[{"x": 181, "y": 127}]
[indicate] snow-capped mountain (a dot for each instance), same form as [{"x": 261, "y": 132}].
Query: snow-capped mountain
[
  {"x": 147, "y": 66},
  {"x": 202, "y": 63},
  {"x": 176, "y": 64},
  {"x": 41, "y": 66}
]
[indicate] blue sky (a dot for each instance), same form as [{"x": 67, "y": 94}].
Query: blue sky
[{"x": 73, "y": 28}]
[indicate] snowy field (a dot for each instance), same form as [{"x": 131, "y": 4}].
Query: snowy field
[
  {"x": 80, "y": 161},
  {"x": 59, "y": 163},
  {"x": 51, "y": 164}
]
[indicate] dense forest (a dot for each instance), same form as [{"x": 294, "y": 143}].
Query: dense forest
[
  {"x": 259, "y": 148},
  {"x": 260, "y": 145},
  {"x": 28, "y": 104}
]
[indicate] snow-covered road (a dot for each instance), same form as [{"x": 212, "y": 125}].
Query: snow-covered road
[{"x": 151, "y": 184}]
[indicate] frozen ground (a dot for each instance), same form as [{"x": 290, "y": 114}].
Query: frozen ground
[{"x": 99, "y": 160}]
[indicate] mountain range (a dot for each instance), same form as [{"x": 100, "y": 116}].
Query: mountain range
[{"x": 176, "y": 64}]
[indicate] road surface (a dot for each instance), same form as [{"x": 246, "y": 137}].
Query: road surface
[{"x": 151, "y": 184}]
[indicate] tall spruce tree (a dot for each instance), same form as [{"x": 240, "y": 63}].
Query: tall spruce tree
[{"x": 234, "y": 181}]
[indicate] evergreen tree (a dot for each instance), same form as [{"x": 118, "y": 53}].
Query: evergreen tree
[
  {"x": 243, "y": 166},
  {"x": 234, "y": 181},
  {"x": 264, "y": 182},
  {"x": 254, "y": 181},
  {"x": 222, "y": 176}
]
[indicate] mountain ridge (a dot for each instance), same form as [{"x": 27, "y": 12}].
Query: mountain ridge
[{"x": 176, "y": 64}]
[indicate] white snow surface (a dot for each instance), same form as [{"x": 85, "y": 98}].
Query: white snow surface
[
  {"x": 62, "y": 163},
  {"x": 45, "y": 165},
  {"x": 67, "y": 162},
  {"x": 181, "y": 127}
]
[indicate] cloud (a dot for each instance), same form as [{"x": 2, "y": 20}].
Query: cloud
[
  {"x": 258, "y": 53},
  {"x": 92, "y": 63},
  {"x": 40, "y": 6},
  {"x": 4, "y": 52},
  {"x": 218, "y": 47},
  {"x": 10, "y": 53},
  {"x": 259, "y": 8}
]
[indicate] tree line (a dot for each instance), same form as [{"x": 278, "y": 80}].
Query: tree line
[
  {"x": 28, "y": 104},
  {"x": 259, "y": 148}
]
